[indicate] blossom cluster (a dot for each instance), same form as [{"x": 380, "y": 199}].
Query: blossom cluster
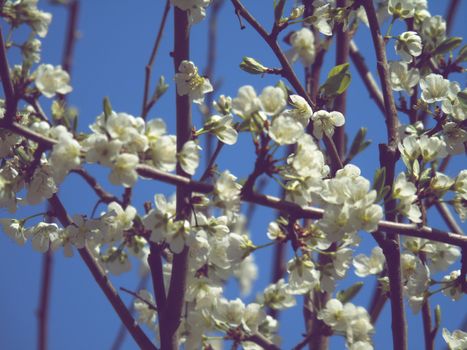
[{"x": 213, "y": 232}]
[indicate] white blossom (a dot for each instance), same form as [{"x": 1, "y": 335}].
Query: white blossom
[
  {"x": 324, "y": 121},
  {"x": 273, "y": 100},
  {"x": 189, "y": 157},
  {"x": 371, "y": 265},
  {"x": 303, "y": 47},
  {"x": 409, "y": 44},
  {"x": 222, "y": 127},
  {"x": 195, "y": 8},
  {"x": 189, "y": 82},
  {"x": 124, "y": 170},
  {"x": 14, "y": 229},
  {"x": 51, "y": 80},
  {"x": 303, "y": 276},
  {"x": 456, "y": 340},
  {"x": 146, "y": 314},
  {"x": 247, "y": 102},
  {"x": 285, "y": 130},
  {"x": 402, "y": 78}
]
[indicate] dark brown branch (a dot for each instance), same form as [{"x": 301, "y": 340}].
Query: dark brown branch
[
  {"x": 427, "y": 326},
  {"x": 10, "y": 97},
  {"x": 259, "y": 339},
  {"x": 155, "y": 262},
  {"x": 148, "y": 69},
  {"x": 73, "y": 10},
  {"x": 210, "y": 65},
  {"x": 367, "y": 77},
  {"x": 171, "y": 317},
  {"x": 103, "y": 281},
  {"x": 44, "y": 300},
  {"x": 451, "y": 14},
  {"x": 209, "y": 167},
  {"x": 388, "y": 154},
  {"x": 104, "y": 196}
]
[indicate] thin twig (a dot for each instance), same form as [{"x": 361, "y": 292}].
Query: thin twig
[
  {"x": 367, "y": 77},
  {"x": 211, "y": 161},
  {"x": 448, "y": 218},
  {"x": 148, "y": 69},
  {"x": 120, "y": 338},
  {"x": 72, "y": 34},
  {"x": 137, "y": 296},
  {"x": 210, "y": 65},
  {"x": 451, "y": 14}
]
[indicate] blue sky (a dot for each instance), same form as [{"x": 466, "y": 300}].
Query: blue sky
[{"x": 114, "y": 45}]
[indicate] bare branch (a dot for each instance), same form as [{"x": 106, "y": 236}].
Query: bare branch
[
  {"x": 148, "y": 69},
  {"x": 367, "y": 77},
  {"x": 10, "y": 97}
]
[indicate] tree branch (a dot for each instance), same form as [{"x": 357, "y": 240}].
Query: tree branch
[
  {"x": 44, "y": 299},
  {"x": 148, "y": 69},
  {"x": 171, "y": 318},
  {"x": 388, "y": 159},
  {"x": 367, "y": 77},
  {"x": 103, "y": 281},
  {"x": 10, "y": 96}
]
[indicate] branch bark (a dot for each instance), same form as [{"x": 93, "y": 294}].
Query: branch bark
[
  {"x": 171, "y": 318},
  {"x": 388, "y": 154}
]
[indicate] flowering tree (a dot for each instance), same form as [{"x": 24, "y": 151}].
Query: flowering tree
[{"x": 191, "y": 244}]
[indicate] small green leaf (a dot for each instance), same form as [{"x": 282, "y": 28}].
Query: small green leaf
[
  {"x": 161, "y": 88},
  {"x": 358, "y": 144},
  {"x": 107, "y": 107},
  {"x": 344, "y": 296},
  {"x": 447, "y": 45},
  {"x": 462, "y": 56},
  {"x": 252, "y": 66},
  {"x": 379, "y": 179},
  {"x": 462, "y": 96},
  {"x": 416, "y": 169},
  {"x": 437, "y": 316},
  {"x": 337, "y": 82}
]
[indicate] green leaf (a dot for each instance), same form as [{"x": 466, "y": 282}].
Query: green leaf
[
  {"x": 348, "y": 294},
  {"x": 462, "y": 56},
  {"x": 437, "y": 316},
  {"x": 252, "y": 66},
  {"x": 337, "y": 82},
  {"x": 379, "y": 179},
  {"x": 161, "y": 88},
  {"x": 358, "y": 144},
  {"x": 416, "y": 169},
  {"x": 284, "y": 88},
  {"x": 447, "y": 45},
  {"x": 107, "y": 107},
  {"x": 462, "y": 96}
]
